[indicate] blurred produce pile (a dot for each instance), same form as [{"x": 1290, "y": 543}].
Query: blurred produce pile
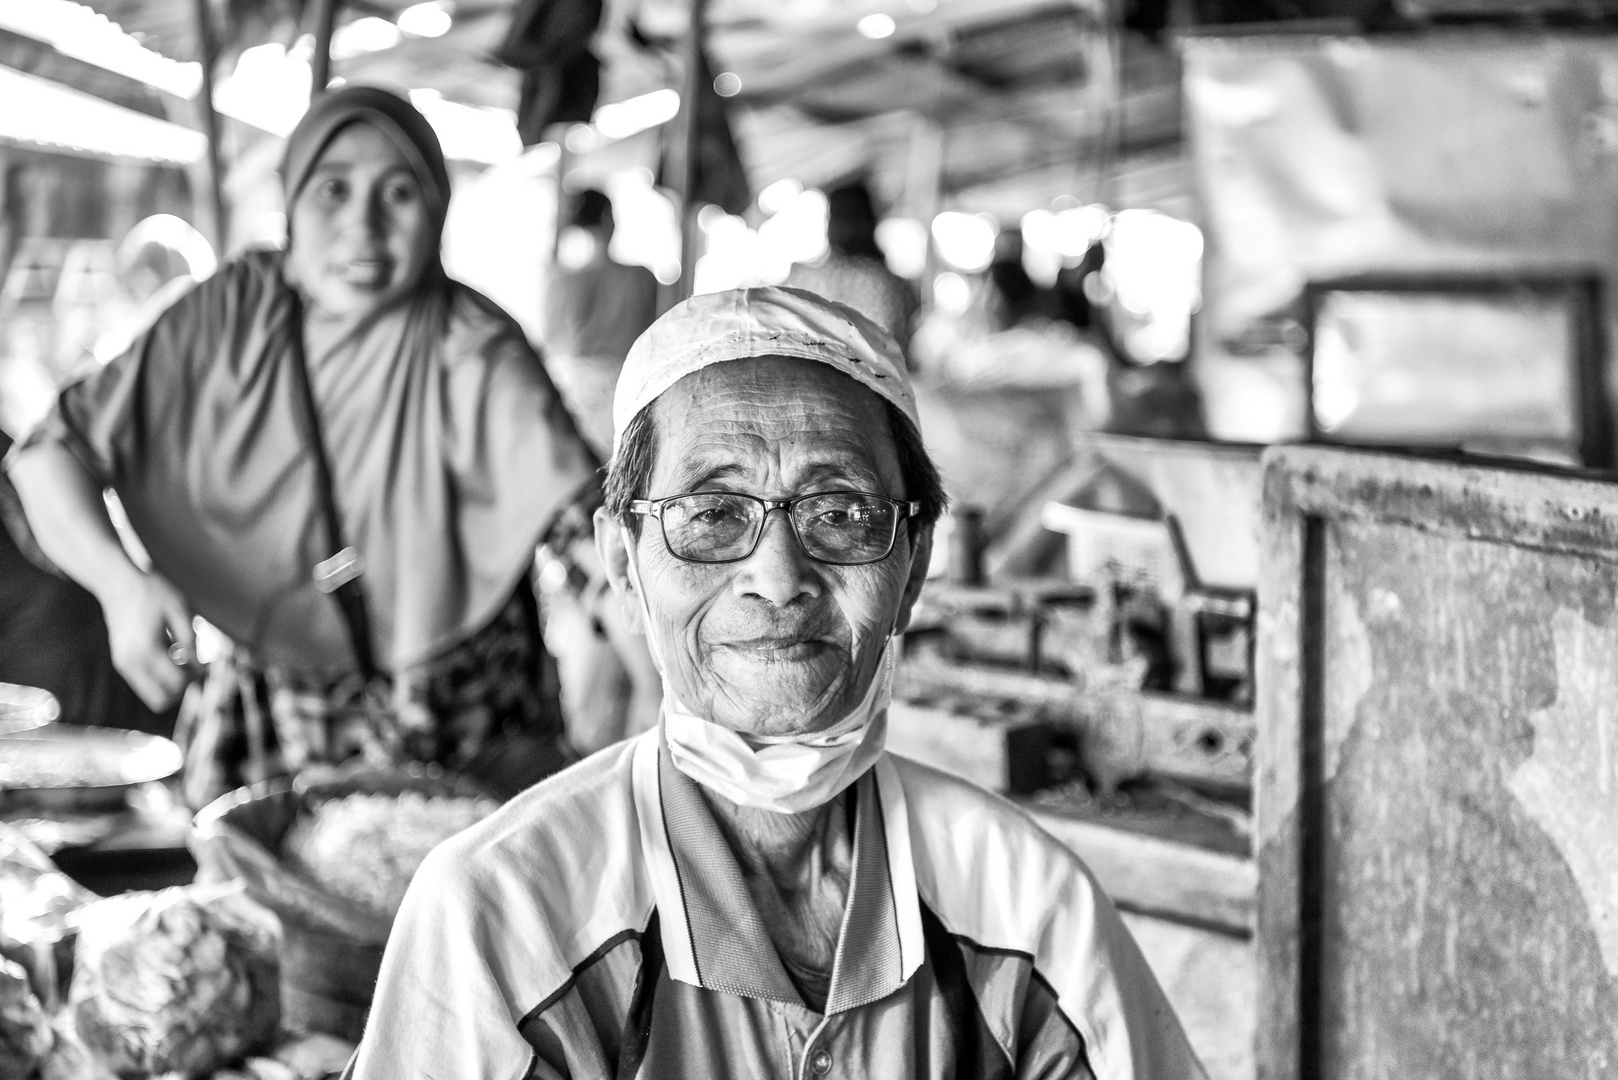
[
  {"x": 331, "y": 854},
  {"x": 368, "y": 847},
  {"x": 179, "y": 983}
]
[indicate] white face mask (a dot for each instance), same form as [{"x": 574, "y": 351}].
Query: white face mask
[{"x": 786, "y": 774}]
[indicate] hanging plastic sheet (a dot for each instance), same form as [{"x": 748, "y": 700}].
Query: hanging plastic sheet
[{"x": 1468, "y": 152}]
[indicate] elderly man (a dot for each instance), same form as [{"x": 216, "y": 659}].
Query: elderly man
[{"x": 756, "y": 888}]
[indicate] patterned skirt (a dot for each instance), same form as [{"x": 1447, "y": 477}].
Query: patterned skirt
[{"x": 488, "y": 708}]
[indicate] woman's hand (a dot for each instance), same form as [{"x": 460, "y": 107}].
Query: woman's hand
[
  {"x": 149, "y": 629},
  {"x": 145, "y": 614}
]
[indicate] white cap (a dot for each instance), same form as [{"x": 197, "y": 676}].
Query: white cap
[{"x": 745, "y": 323}]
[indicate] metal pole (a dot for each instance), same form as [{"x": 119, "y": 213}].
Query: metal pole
[
  {"x": 690, "y": 133},
  {"x": 320, "y": 65},
  {"x": 564, "y": 159},
  {"x": 208, "y": 53}
]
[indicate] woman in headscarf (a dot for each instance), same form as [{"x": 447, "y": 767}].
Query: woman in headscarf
[{"x": 344, "y": 461}]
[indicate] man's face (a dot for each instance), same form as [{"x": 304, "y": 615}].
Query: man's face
[{"x": 777, "y": 643}]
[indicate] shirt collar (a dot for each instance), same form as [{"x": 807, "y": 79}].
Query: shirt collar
[{"x": 713, "y": 936}]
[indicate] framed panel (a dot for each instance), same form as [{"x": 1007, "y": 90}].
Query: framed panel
[
  {"x": 1436, "y": 774},
  {"x": 1498, "y": 364},
  {"x": 1212, "y": 488}
]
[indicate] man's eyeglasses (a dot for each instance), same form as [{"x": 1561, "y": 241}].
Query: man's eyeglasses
[{"x": 845, "y": 528}]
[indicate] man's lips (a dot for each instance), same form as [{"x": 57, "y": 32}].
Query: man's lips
[{"x": 780, "y": 649}]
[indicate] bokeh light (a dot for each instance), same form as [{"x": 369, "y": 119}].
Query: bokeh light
[
  {"x": 367, "y": 34},
  {"x": 904, "y": 245},
  {"x": 430, "y": 20},
  {"x": 622, "y": 119},
  {"x": 1153, "y": 274},
  {"x": 965, "y": 241},
  {"x": 877, "y": 26},
  {"x": 951, "y": 293},
  {"x": 648, "y": 225},
  {"x": 777, "y": 196}
]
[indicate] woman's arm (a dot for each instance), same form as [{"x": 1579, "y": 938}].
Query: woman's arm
[{"x": 144, "y": 613}]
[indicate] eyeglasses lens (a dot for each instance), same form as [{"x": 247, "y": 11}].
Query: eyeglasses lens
[
  {"x": 840, "y": 528},
  {"x": 835, "y": 527},
  {"x": 711, "y": 528}
]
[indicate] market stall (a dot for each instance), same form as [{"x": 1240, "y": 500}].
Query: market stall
[
  {"x": 1143, "y": 642},
  {"x": 977, "y": 112}
]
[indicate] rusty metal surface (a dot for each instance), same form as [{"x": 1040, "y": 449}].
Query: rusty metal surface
[{"x": 1437, "y": 773}]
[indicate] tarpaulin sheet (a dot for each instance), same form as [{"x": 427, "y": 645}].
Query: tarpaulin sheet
[{"x": 1319, "y": 157}]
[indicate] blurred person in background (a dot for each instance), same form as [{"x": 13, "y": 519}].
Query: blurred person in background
[
  {"x": 1011, "y": 336},
  {"x": 854, "y": 270},
  {"x": 343, "y": 460},
  {"x": 1156, "y": 400},
  {"x": 595, "y": 308}
]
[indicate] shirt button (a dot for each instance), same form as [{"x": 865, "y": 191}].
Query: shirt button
[{"x": 820, "y": 1062}]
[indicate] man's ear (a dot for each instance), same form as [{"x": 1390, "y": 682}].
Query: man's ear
[
  {"x": 920, "y": 558},
  {"x": 615, "y": 562}
]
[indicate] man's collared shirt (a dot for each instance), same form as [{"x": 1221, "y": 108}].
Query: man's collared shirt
[{"x": 599, "y": 926}]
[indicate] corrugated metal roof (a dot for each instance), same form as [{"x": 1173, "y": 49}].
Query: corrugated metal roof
[
  {"x": 1016, "y": 86},
  {"x": 41, "y": 113}
]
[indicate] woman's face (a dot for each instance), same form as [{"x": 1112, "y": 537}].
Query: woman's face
[{"x": 362, "y": 233}]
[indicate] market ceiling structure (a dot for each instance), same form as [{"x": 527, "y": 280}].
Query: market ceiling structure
[{"x": 982, "y": 104}]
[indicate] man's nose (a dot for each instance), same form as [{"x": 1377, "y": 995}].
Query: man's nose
[{"x": 778, "y": 570}]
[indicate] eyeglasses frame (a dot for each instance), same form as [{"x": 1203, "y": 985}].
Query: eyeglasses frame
[{"x": 653, "y": 508}]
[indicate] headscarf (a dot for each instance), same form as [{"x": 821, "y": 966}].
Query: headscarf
[
  {"x": 450, "y": 451},
  {"x": 388, "y": 113}
]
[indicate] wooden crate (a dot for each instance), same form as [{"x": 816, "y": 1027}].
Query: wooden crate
[{"x": 1436, "y": 770}]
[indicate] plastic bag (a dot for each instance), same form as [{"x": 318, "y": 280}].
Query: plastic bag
[
  {"x": 25, "y": 1031},
  {"x": 69, "y": 1058},
  {"x": 178, "y": 981},
  {"x": 36, "y": 899},
  {"x": 38, "y": 906}
]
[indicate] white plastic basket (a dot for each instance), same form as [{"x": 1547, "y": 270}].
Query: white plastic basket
[{"x": 1103, "y": 547}]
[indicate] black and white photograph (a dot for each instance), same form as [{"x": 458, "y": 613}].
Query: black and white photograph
[{"x": 808, "y": 540}]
